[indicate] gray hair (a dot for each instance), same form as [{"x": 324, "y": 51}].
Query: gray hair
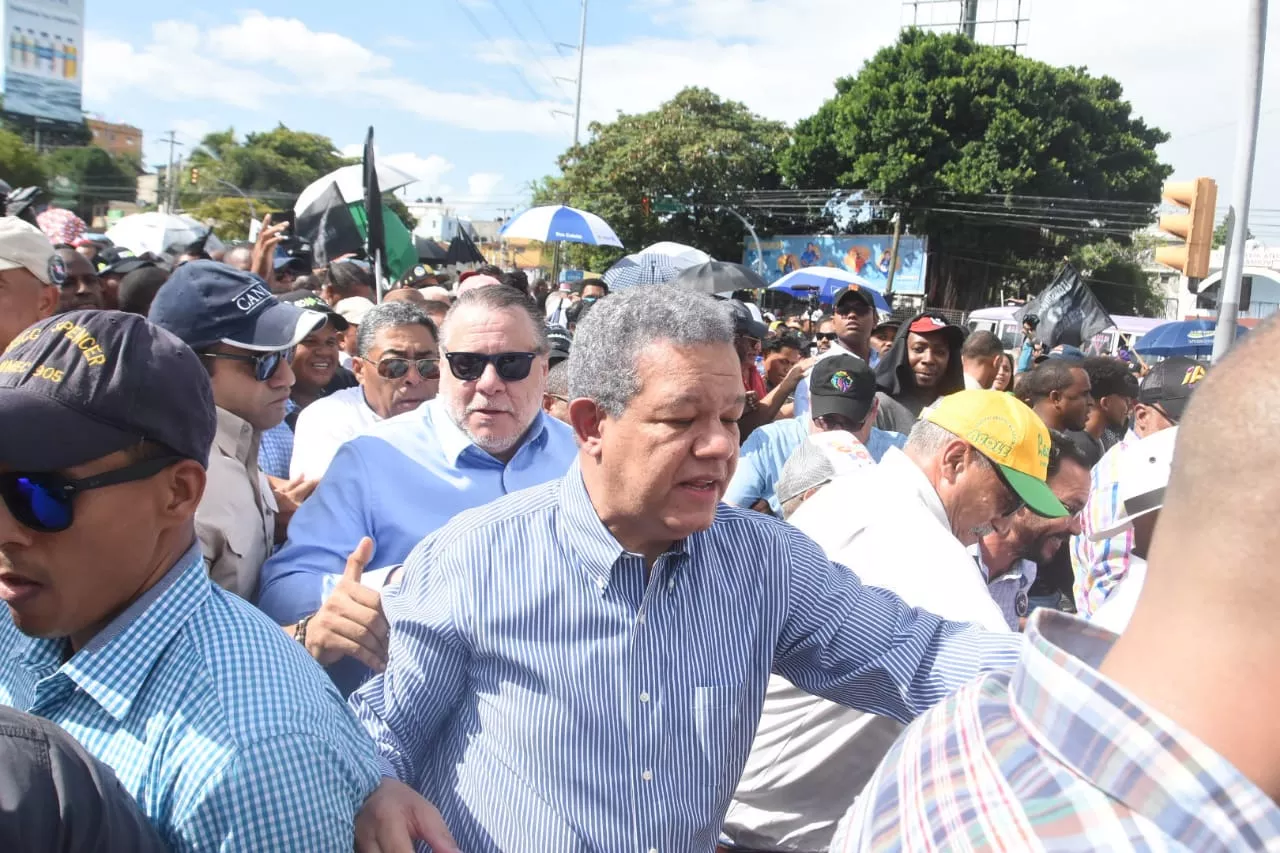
[
  {"x": 499, "y": 299},
  {"x": 558, "y": 379},
  {"x": 927, "y": 439},
  {"x": 609, "y": 342},
  {"x": 389, "y": 315},
  {"x": 807, "y": 468}
]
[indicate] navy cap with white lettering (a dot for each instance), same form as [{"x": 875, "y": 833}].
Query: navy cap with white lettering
[
  {"x": 85, "y": 384},
  {"x": 206, "y": 303}
]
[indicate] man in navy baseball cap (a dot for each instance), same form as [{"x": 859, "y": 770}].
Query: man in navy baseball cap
[
  {"x": 246, "y": 338},
  {"x": 109, "y": 624}
]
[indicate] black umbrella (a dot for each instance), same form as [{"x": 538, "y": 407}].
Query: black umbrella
[
  {"x": 328, "y": 226},
  {"x": 718, "y": 277},
  {"x": 463, "y": 251},
  {"x": 431, "y": 252}
]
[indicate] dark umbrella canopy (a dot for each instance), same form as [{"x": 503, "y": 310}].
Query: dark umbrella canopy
[
  {"x": 431, "y": 252},
  {"x": 718, "y": 277},
  {"x": 463, "y": 251}
]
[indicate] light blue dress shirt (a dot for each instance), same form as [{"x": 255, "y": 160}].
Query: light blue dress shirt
[
  {"x": 222, "y": 728},
  {"x": 275, "y": 447},
  {"x": 768, "y": 448},
  {"x": 398, "y": 482},
  {"x": 546, "y": 692}
]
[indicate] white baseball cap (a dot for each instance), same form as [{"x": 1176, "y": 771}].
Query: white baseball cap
[
  {"x": 1143, "y": 474},
  {"x": 353, "y": 308},
  {"x": 821, "y": 458},
  {"x": 23, "y": 246}
]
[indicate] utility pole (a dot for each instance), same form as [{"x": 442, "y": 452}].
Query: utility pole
[
  {"x": 969, "y": 23},
  {"x": 170, "y": 182},
  {"x": 1254, "y": 43},
  {"x": 893, "y": 257},
  {"x": 582, "y": 51}
]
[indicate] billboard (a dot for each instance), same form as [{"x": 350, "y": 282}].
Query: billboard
[
  {"x": 866, "y": 255},
  {"x": 44, "y": 58}
]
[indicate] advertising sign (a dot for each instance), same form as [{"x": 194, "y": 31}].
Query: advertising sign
[
  {"x": 44, "y": 58},
  {"x": 864, "y": 254}
]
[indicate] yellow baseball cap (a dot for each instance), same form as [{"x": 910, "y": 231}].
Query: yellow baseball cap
[{"x": 1006, "y": 431}]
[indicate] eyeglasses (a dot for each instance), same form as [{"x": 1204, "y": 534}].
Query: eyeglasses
[
  {"x": 1012, "y": 500},
  {"x": 826, "y": 336},
  {"x": 264, "y": 365},
  {"x": 396, "y": 367},
  {"x": 470, "y": 366},
  {"x": 43, "y": 501}
]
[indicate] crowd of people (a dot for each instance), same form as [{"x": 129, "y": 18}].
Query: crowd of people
[{"x": 291, "y": 561}]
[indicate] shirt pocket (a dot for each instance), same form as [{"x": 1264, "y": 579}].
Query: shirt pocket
[{"x": 717, "y": 713}]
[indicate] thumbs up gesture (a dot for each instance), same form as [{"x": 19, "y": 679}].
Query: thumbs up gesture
[{"x": 351, "y": 622}]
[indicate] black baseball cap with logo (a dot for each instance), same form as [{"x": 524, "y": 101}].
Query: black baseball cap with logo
[
  {"x": 1170, "y": 384},
  {"x": 308, "y": 300},
  {"x": 855, "y": 291},
  {"x": 81, "y": 385},
  {"x": 207, "y": 303},
  {"x": 842, "y": 385}
]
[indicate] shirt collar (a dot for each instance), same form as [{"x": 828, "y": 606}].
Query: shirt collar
[
  {"x": 898, "y": 466},
  {"x": 454, "y": 442},
  {"x": 113, "y": 666},
  {"x": 1107, "y": 737},
  {"x": 581, "y": 531},
  {"x": 235, "y": 437},
  {"x": 1022, "y": 570}
]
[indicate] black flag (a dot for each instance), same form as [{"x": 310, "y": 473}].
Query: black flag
[
  {"x": 375, "y": 235},
  {"x": 1069, "y": 313},
  {"x": 328, "y": 226}
]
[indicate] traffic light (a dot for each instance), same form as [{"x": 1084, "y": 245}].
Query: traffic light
[
  {"x": 1195, "y": 227},
  {"x": 195, "y": 175},
  {"x": 646, "y": 206}
]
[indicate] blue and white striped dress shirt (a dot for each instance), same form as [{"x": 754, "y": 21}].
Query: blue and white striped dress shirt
[
  {"x": 546, "y": 695},
  {"x": 222, "y": 728}
]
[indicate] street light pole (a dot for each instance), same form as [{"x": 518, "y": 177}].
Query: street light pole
[
  {"x": 754, "y": 240},
  {"x": 248, "y": 201},
  {"x": 1254, "y": 51},
  {"x": 582, "y": 51}
]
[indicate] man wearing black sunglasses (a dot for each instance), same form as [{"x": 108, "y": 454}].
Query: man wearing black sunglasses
[
  {"x": 484, "y": 436},
  {"x": 110, "y": 625},
  {"x": 398, "y": 368},
  {"x": 245, "y": 337}
]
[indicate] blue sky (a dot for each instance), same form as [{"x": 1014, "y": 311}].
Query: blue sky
[{"x": 461, "y": 91}]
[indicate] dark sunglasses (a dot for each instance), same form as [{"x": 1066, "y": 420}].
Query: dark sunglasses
[
  {"x": 853, "y": 308},
  {"x": 264, "y": 365},
  {"x": 396, "y": 367},
  {"x": 826, "y": 336},
  {"x": 511, "y": 366},
  {"x": 42, "y": 501}
]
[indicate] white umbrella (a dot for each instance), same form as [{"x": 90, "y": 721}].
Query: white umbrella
[
  {"x": 656, "y": 264},
  {"x": 350, "y": 181},
  {"x": 683, "y": 256},
  {"x": 560, "y": 224},
  {"x": 159, "y": 233}
]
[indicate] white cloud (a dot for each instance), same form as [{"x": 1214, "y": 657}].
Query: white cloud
[
  {"x": 429, "y": 170},
  {"x": 260, "y": 59},
  {"x": 482, "y": 186},
  {"x": 399, "y": 42}
]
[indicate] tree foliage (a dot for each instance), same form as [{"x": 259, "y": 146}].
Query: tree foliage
[
  {"x": 963, "y": 138},
  {"x": 80, "y": 178},
  {"x": 1220, "y": 235},
  {"x": 281, "y": 160},
  {"x": 20, "y": 165},
  {"x": 696, "y": 149}
]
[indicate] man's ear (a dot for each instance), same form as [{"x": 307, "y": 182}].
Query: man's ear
[
  {"x": 587, "y": 420},
  {"x": 952, "y": 460},
  {"x": 48, "y": 302}
]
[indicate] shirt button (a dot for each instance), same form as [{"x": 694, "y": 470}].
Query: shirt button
[
  {"x": 644, "y": 696},
  {"x": 653, "y": 850},
  {"x": 647, "y": 775},
  {"x": 600, "y": 582},
  {"x": 671, "y": 584},
  {"x": 640, "y": 618}
]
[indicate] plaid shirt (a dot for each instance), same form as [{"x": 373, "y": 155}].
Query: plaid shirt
[
  {"x": 1054, "y": 756},
  {"x": 1099, "y": 566},
  {"x": 275, "y": 447},
  {"x": 222, "y": 728}
]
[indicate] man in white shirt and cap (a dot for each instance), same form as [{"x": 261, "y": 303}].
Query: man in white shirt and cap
[{"x": 970, "y": 463}]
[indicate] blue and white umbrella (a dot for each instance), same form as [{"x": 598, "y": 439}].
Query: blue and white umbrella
[
  {"x": 560, "y": 224},
  {"x": 1182, "y": 337},
  {"x": 825, "y": 281}
]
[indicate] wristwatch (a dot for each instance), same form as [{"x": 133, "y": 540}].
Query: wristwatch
[{"x": 300, "y": 630}]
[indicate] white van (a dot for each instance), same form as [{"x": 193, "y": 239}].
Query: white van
[{"x": 1001, "y": 323}]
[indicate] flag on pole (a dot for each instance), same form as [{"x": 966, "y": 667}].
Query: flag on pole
[
  {"x": 375, "y": 234},
  {"x": 1068, "y": 311}
]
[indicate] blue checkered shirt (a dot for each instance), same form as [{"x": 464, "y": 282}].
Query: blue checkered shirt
[
  {"x": 224, "y": 730},
  {"x": 548, "y": 692},
  {"x": 275, "y": 447}
]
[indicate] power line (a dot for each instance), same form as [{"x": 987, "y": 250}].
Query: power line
[
  {"x": 536, "y": 58},
  {"x": 555, "y": 44},
  {"x": 484, "y": 34}
]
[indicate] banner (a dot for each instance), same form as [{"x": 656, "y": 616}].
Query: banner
[
  {"x": 1069, "y": 313},
  {"x": 866, "y": 255},
  {"x": 45, "y": 57}
]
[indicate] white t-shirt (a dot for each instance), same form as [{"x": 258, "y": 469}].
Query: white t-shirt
[{"x": 325, "y": 426}]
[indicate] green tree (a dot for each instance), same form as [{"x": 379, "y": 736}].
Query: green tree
[
  {"x": 20, "y": 166},
  {"x": 1220, "y": 235},
  {"x": 1001, "y": 160},
  {"x": 82, "y": 178},
  {"x": 229, "y": 215},
  {"x": 696, "y": 150}
]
